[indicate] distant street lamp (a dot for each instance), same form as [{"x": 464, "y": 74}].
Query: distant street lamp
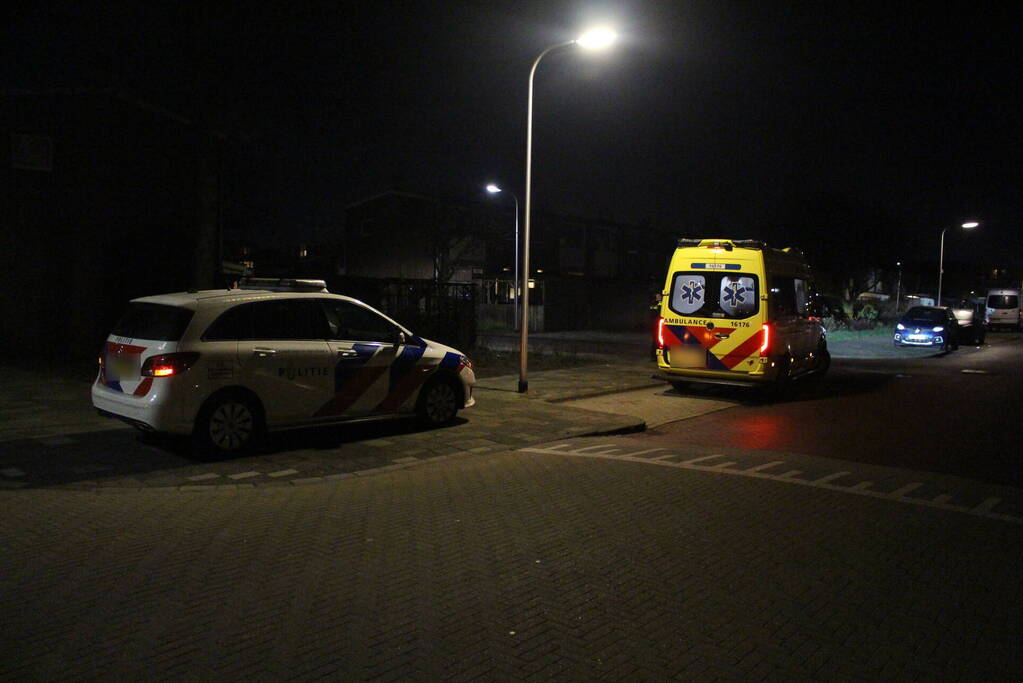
[
  {"x": 898, "y": 287},
  {"x": 594, "y": 39},
  {"x": 941, "y": 258},
  {"x": 494, "y": 189}
]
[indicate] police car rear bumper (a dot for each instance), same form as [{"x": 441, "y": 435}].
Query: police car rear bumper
[{"x": 141, "y": 412}]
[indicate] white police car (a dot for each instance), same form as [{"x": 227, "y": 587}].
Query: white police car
[{"x": 226, "y": 365}]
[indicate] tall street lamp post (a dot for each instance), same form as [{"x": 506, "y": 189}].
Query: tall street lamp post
[
  {"x": 595, "y": 39},
  {"x": 941, "y": 257},
  {"x": 494, "y": 189},
  {"x": 898, "y": 287}
]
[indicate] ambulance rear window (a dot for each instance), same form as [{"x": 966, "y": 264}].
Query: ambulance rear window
[
  {"x": 710, "y": 294},
  {"x": 153, "y": 321}
]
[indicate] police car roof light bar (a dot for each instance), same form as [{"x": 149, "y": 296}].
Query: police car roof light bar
[{"x": 274, "y": 284}]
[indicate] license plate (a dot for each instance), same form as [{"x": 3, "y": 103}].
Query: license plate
[
  {"x": 123, "y": 367},
  {"x": 918, "y": 337}
]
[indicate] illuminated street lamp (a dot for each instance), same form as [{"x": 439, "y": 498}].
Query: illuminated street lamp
[
  {"x": 591, "y": 40},
  {"x": 494, "y": 189},
  {"x": 898, "y": 287},
  {"x": 941, "y": 258}
]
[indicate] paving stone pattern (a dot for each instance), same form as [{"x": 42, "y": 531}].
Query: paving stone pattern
[{"x": 512, "y": 566}]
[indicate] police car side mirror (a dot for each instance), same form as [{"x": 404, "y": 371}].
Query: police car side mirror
[{"x": 399, "y": 338}]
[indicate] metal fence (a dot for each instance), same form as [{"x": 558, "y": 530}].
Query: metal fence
[{"x": 441, "y": 311}]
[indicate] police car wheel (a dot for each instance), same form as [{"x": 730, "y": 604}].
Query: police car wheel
[
  {"x": 438, "y": 403},
  {"x": 230, "y": 423}
]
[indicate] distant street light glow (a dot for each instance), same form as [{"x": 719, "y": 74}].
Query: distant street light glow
[
  {"x": 493, "y": 189},
  {"x": 971, "y": 224},
  {"x": 596, "y": 38}
]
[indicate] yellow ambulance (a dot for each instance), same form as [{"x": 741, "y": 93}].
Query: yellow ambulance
[{"x": 739, "y": 312}]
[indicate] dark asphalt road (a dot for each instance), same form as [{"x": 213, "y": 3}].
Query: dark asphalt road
[{"x": 958, "y": 414}]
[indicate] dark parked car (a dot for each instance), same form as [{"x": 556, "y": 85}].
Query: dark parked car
[
  {"x": 928, "y": 326},
  {"x": 972, "y": 322}
]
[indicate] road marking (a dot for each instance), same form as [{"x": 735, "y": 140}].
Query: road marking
[
  {"x": 665, "y": 456},
  {"x": 404, "y": 460},
  {"x": 696, "y": 460},
  {"x": 970, "y": 371},
  {"x": 766, "y": 465},
  {"x": 941, "y": 502},
  {"x": 282, "y": 473},
  {"x": 903, "y": 490},
  {"x": 243, "y": 475},
  {"x": 203, "y": 477},
  {"x": 595, "y": 449},
  {"x": 830, "y": 477},
  {"x": 12, "y": 472},
  {"x": 636, "y": 453},
  {"x": 986, "y": 506}
]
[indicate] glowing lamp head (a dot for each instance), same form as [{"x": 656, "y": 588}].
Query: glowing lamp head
[
  {"x": 493, "y": 189},
  {"x": 596, "y": 39},
  {"x": 971, "y": 224}
]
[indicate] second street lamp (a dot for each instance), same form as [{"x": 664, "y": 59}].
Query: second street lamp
[
  {"x": 495, "y": 189},
  {"x": 595, "y": 39},
  {"x": 941, "y": 257}
]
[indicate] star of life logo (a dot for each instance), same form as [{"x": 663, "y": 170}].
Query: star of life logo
[
  {"x": 691, "y": 292},
  {"x": 735, "y": 294}
]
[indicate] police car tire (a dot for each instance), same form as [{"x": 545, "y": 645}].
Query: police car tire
[
  {"x": 229, "y": 423},
  {"x": 438, "y": 402}
]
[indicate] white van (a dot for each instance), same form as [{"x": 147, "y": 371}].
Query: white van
[{"x": 1003, "y": 308}]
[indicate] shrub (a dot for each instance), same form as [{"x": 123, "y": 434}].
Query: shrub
[{"x": 832, "y": 324}]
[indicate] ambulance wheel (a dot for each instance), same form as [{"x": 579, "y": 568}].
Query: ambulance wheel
[
  {"x": 229, "y": 423},
  {"x": 438, "y": 403},
  {"x": 782, "y": 384}
]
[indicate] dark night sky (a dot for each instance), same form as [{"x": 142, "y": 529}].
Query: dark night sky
[{"x": 716, "y": 117}]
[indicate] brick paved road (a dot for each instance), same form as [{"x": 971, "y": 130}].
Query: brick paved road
[{"x": 506, "y": 566}]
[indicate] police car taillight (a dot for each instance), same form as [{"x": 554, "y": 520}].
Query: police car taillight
[
  {"x": 765, "y": 344},
  {"x": 168, "y": 364}
]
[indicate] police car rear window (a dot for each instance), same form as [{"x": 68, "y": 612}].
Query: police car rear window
[
  {"x": 153, "y": 321},
  {"x": 709, "y": 294}
]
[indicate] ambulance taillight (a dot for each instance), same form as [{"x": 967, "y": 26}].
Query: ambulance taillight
[
  {"x": 168, "y": 364},
  {"x": 660, "y": 333},
  {"x": 765, "y": 343}
]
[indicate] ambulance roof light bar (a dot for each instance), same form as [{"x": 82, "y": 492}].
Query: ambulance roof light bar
[
  {"x": 283, "y": 284},
  {"x": 727, "y": 245}
]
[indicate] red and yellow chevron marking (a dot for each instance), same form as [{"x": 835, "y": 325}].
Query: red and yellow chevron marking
[{"x": 731, "y": 350}]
